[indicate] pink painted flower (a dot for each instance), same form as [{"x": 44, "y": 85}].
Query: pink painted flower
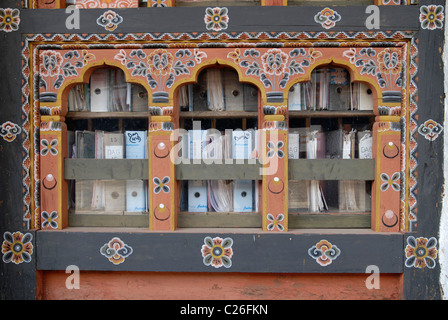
[
  {"x": 217, "y": 252},
  {"x": 431, "y": 17},
  {"x": 216, "y": 19}
]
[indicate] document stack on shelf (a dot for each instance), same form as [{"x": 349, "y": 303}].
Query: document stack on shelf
[
  {"x": 98, "y": 196},
  {"x": 322, "y": 89},
  {"x": 365, "y": 144},
  {"x": 317, "y": 202},
  {"x": 242, "y": 144},
  {"x": 137, "y": 98},
  {"x": 186, "y": 97},
  {"x": 99, "y": 90},
  {"x": 109, "y": 92},
  {"x": 215, "y": 90},
  {"x": 135, "y": 142},
  {"x": 197, "y": 196},
  {"x": 219, "y": 90},
  {"x": 339, "y": 89},
  {"x": 84, "y": 148},
  {"x": 296, "y": 99},
  {"x": 361, "y": 97},
  {"x": 115, "y": 190},
  {"x": 348, "y": 189},
  {"x": 297, "y": 189},
  {"x": 79, "y": 98}
]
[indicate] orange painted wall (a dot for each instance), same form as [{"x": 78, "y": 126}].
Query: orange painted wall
[{"x": 220, "y": 286}]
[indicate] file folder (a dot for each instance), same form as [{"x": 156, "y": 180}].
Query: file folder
[
  {"x": 243, "y": 199},
  {"x": 197, "y": 196}
]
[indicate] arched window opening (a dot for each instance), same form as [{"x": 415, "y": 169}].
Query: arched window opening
[
  {"x": 107, "y": 119},
  {"x": 330, "y": 117},
  {"x": 219, "y": 118}
]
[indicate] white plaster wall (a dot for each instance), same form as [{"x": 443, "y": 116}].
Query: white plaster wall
[{"x": 443, "y": 232}]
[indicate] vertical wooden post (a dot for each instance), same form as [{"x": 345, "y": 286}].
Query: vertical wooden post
[
  {"x": 162, "y": 208},
  {"x": 274, "y": 157},
  {"x": 274, "y": 2},
  {"x": 53, "y": 187},
  {"x": 161, "y": 3},
  {"x": 386, "y": 203},
  {"x": 55, "y": 4}
]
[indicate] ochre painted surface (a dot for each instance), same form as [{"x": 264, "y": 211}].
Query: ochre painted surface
[{"x": 219, "y": 286}]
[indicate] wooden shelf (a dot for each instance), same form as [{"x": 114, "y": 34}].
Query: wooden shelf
[
  {"x": 218, "y": 114},
  {"x": 302, "y": 220},
  {"x": 331, "y": 169},
  {"x": 115, "y": 115},
  {"x": 331, "y": 114},
  {"x": 299, "y": 169}
]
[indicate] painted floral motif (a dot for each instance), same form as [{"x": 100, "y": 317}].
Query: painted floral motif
[
  {"x": 116, "y": 250},
  {"x": 9, "y": 19},
  {"x": 55, "y": 68},
  {"x": 386, "y": 66},
  {"x": 430, "y": 130},
  {"x": 9, "y": 131},
  {"x": 391, "y": 2},
  {"x": 393, "y": 181},
  {"x": 161, "y": 185},
  {"x": 49, "y": 147},
  {"x": 275, "y": 66},
  {"x": 431, "y": 17},
  {"x": 109, "y": 20},
  {"x": 275, "y": 222},
  {"x": 275, "y": 149},
  {"x": 327, "y": 18},
  {"x": 91, "y": 4},
  {"x": 160, "y": 62},
  {"x": 49, "y": 220},
  {"x": 421, "y": 252},
  {"x": 17, "y": 247},
  {"x": 274, "y": 61},
  {"x": 216, "y": 19},
  {"x": 217, "y": 252},
  {"x": 324, "y": 252},
  {"x": 389, "y": 61},
  {"x": 160, "y": 67},
  {"x": 50, "y": 62}
]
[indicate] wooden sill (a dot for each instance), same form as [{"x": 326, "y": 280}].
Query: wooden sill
[{"x": 233, "y": 220}]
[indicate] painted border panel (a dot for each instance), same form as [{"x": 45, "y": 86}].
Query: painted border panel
[
  {"x": 194, "y": 19},
  {"x": 218, "y": 251}
]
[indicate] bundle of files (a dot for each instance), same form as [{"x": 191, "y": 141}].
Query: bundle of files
[
  {"x": 317, "y": 196},
  {"x": 330, "y": 89},
  {"x": 213, "y": 145},
  {"x": 218, "y": 90},
  {"x": 110, "y": 195},
  {"x": 108, "y": 91}
]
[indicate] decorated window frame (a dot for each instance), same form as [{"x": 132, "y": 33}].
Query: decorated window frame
[{"x": 366, "y": 63}]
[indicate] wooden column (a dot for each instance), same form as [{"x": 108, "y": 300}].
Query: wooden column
[
  {"x": 274, "y": 157},
  {"x": 386, "y": 189},
  {"x": 161, "y": 3},
  {"x": 53, "y": 187},
  {"x": 274, "y": 2},
  {"x": 161, "y": 193},
  {"x": 45, "y": 4}
]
